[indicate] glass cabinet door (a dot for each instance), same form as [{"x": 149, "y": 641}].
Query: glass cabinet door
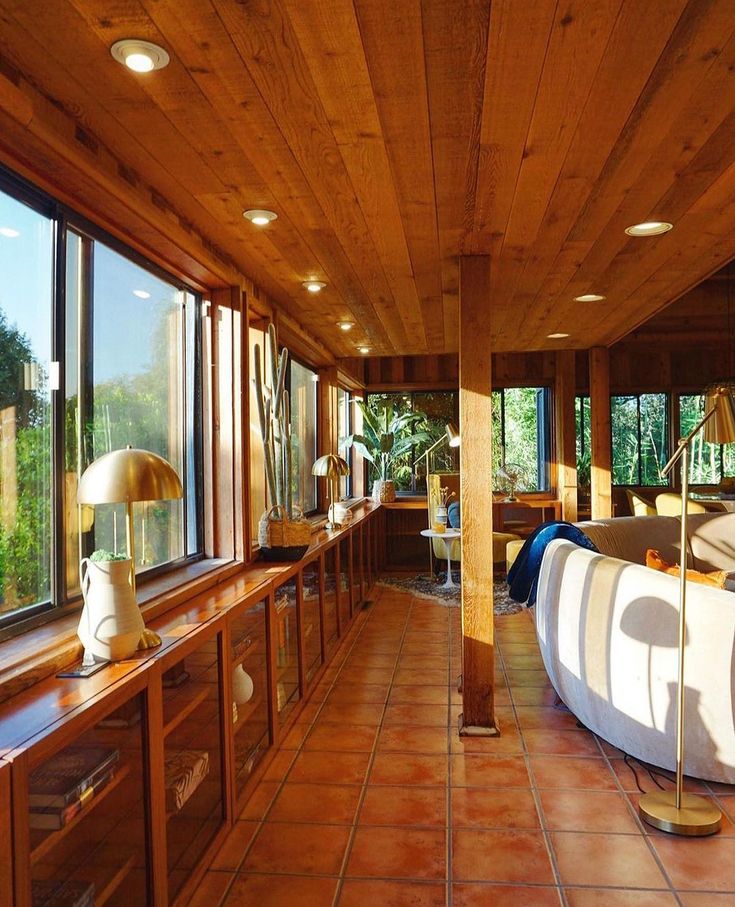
[
  {"x": 87, "y": 816},
  {"x": 312, "y": 617},
  {"x": 192, "y": 759},
  {"x": 249, "y": 666},
  {"x": 356, "y": 570},
  {"x": 345, "y": 584},
  {"x": 331, "y": 628},
  {"x": 287, "y": 648}
]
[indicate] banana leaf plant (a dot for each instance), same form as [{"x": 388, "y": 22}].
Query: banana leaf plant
[{"x": 386, "y": 437}]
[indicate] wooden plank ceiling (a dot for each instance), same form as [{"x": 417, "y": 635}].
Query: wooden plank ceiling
[{"x": 391, "y": 137}]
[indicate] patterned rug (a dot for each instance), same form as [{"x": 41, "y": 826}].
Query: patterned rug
[{"x": 426, "y": 587}]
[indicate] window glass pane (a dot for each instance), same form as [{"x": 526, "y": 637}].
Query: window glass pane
[
  {"x": 303, "y": 396},
  {"x": 344, "y": 428},
  {"x": 704, "y": 458},
  {"x": 130, "y": 375},
  {"x": 439, "y": 408},
  {"x": 257, "y": 458},
  {"x": 625, "y": 453},
  {"x": 584, "y": 441},
  {"x": 26, "y": 300},
  {"x": 392, "y": 405},
  {"x": 524, "y": 434},
  {"x": 654, "y": 438}
]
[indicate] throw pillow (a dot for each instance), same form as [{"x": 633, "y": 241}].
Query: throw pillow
[
  {"x": 453, "y": 515},
  {"x": 656, "y": 562}
]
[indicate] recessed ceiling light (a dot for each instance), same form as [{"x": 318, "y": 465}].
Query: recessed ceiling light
[
  {"x": 558, "y": 336},
  {"x": 345, "y": 325},
  {"x": 363, "y": 349},
  {"x": 589, "y": 297},
  {"x": 9, "y": 232},
  {"x": 313, "y": 286},
  {"x": 649, "y": 228},
  {"x": 139, "y": 55},
  {"x": 259, "y": 216},
  {"x": 141, "y": 294}
]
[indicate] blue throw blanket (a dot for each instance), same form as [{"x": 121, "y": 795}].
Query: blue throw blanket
[{"x": 523, "y": 575}]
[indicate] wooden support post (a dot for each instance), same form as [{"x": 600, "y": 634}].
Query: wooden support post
[
  {"x": 475, "y": 426},
  {"x": 600, "y": 427},
  {"x": 328, "y": 435},
  {"x": 566, "y": 441}
]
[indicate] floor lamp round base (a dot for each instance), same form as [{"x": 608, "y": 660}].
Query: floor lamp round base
[{"x": 696, "y": 818}]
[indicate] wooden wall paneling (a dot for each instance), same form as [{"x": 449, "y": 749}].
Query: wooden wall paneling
[
  {"x": 475, "y": 415},
  {"x": 601, "y": 501},
  {"x": 154, "y": 742},
  {"x": 223, "y": 302},
  {"x": 565, "y": 435}
]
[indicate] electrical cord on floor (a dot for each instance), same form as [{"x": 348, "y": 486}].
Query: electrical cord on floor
[{"x": 628, "y": 760}]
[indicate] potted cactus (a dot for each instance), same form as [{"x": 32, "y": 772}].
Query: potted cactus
[{"x": 283, "y": 533}]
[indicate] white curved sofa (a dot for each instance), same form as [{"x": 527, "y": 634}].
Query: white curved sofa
[{"x": 608, "y": 626}]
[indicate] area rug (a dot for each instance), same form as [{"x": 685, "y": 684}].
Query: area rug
[{"x": 425, "y": 587}]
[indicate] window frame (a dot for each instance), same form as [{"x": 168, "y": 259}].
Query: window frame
[
  {"x": 64, "y": 219},
  {"x": 665, "y": 482},
  {"x": 317, "y": 411},
  {"x": 348, "y": 455},
  {"x": 544, "y": 446}
]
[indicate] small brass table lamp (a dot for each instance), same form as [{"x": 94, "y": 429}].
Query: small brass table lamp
[
  {"x": 123, "y": 477},
  {"x": 332, "y": 467}
]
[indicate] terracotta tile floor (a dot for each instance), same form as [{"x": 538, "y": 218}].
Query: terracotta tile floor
[{"x": 374, "y": 800}]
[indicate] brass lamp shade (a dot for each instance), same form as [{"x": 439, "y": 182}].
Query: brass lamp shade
[
  {"x": 331, "y": 466},
  {"x": 720, "y": 429},
  {"x": 127, "y": 475},
  {"x": 453, "y": 434}
]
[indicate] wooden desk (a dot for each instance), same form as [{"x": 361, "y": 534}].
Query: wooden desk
[{"x": 537, "y": 511}]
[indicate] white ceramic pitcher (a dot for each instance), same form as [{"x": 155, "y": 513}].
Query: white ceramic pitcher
[{"x": 111, "y": 623}]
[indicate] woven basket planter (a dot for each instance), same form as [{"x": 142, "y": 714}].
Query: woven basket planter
[
  {"x": 384, "y": 491},
  {"x": 282, "y": 539}
]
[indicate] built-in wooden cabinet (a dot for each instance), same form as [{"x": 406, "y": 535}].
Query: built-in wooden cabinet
[{"x": 167, "y": 747}]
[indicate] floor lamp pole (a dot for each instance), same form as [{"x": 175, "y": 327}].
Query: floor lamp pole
[{"x": 682, "y": 813}]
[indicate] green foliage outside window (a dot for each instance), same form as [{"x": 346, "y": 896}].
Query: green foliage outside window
[{"x": 640, "y": 438}]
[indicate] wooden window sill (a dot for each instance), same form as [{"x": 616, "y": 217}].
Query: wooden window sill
[{"x": 29, "y": 657}]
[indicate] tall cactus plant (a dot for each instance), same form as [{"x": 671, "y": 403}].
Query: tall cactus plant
[{"x": 274, "y": 414}]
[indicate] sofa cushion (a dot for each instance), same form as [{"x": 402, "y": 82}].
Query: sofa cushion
[
  {"x": 712, "y": 540},
  {"x": 628, "y": 537},
  {"x": 716, "y": 578}
]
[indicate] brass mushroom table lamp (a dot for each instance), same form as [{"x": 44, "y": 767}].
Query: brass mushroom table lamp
[
  {"x": 124, "y": 477},
  {"x": 332, "y": 467}
]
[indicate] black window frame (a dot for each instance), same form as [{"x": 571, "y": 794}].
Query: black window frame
[
  {"x": 665, "y": 482},
  {"x": 543, "y": 433},
  {"x": 64, "y": 219}
]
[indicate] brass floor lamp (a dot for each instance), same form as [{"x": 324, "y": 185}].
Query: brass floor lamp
[{"x": 675, "y": 811}]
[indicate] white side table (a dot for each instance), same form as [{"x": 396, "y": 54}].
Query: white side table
[{"x": 449, "y": 536}]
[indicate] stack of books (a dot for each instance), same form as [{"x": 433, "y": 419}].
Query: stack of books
[
  {"x": 60, "y": 788},
  {"x": 184, "y": 772}
]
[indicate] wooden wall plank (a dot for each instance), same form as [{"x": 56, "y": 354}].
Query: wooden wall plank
[
  {"x": 475, "y": 414},
  {"x": 565, "y": 435},
  {"x": 600, "y": 426}
]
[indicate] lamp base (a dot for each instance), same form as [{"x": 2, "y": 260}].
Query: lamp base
[
  {"x": 697, "y": 817},
  {"x": 149, "y": 640}
]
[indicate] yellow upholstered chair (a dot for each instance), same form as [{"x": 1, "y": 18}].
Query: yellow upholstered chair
[
  {"x": 640, "y": 506},
  {"x": 436, "y": 481},
  {"x": 669, "y": 504}
]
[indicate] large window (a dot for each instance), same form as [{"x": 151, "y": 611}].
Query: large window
[
  {"x": 521, "y": 430},
  {"x": 584, "y": 440},
  {"x": 640, "y": 438},
  {"x": 708, "y": 462},
  {"x": 102, "y": 355},
  {"x": 437, "y": 409}
]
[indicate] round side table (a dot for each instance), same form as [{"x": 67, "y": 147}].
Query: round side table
[{"x": 450, "y": 535}]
